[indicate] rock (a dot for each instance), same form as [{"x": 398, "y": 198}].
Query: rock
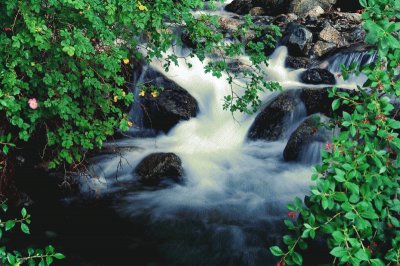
[
  {"x": 174, "y": 104},
  {"x": 292, "y": 16},
  {"x": 352, "y": 18},
  {"x": 317, "y": 101},
  {"x": 302, "y": 7},
  {"x": 321, "y": 48},
  {"x": 158, "y": 167},
  {"x": 331, "y": 35},
  {"x": 356, "y": 35},
  {"x": 297, "y": 62},
  {"x": 315, "y": 12},
  {"x": 318, "y": 76},
  {"x": 298, "y": 39},
  {"x": 309, "y": 131},
  {"x": 230, "y": 25},
  {"x": 240, "y": 7},
  {"x": 272, "y": 123},
  {"x": 257, "y": 11}
]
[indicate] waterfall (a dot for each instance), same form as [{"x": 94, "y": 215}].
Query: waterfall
[
  {"x": 346, "y": 59},
  {"x": 234, "y": 188}
]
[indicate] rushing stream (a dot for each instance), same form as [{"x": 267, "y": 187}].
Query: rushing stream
[
  {"x": 230, "y": 207},
  {"x": 228, "y": 210}
]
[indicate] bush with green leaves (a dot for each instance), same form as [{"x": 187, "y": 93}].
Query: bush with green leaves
[
  {"x": 354, "y": 203},
  {"x": 65, "y": 66},
  {"x": 33, "y": 256}
]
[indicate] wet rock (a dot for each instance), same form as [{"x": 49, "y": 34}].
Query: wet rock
[
  {"x": 174, "y": 104},
  {"x": 298, "y": 39},
  {"x": 352, "y": 18},
  {"x": 257, "y": 11},
  {"x": 302, "y": 7},
  {"x": 158, "y": 167},
  {"x": 230, "y": 25},
  {"x": 240, "y": 7},
  {"x": 297, "y": 62},
  {"x": 317, "y": 101},
  {"x": 357, "y": 35},
  {"x": 331, "y": 35},
  {"x": 271, "y": 123},
  {"x": 308, "y": 132},
  {"x": 315, "y": 12},
  {"x": 321, "y": 48},
  {"x": 318, "y": 76}
]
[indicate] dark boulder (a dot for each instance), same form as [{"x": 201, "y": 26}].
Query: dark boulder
[
  {"x": 172, "y": 105},
  {"x": 297, "y": 62},
  {"x": 298, "y": 39},
  {"x": 240, "y": 7},
  {"x": 308, "y": 132},
  {"x": 272, "y": 122},
  {"x": 269, "y": 7},
  {"x": 318, "y": 76},
  {"x": 158, "y": 167},
  {"x": 317, "y": 101}
]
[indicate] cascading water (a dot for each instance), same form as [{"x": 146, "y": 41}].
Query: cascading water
[
  {"x": 346, "y": 59},
  {"x": 235, "y": 191},
  {"x": 359, "y": 58}
]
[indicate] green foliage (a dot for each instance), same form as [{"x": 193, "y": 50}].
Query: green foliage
[
  {"x": 64, "y": 65},
  {"x": 32, "y": 257},
  {"x": 354, "y": 203}
]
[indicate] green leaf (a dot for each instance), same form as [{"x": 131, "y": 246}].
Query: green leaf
[
  {"x": 377, "y": 262},
  {"x": 25, "y": 228},
  {"x": 59, "y": 256},
  {"x": 362, "y": 255},
  {"x": 10, "y": 225},
  {"x": 297, "y": 258},
  {"x": 338, "y": 252},
  {"x": 335, "y": 104},
  {"x": 340, "y": 196},
  {"x": 338, "y": 236},
  {"x": 23, "y": 212},
  {"x": 49, "y": 260},
  {"x": 352, "y": 187},
  {"x": 276, "y": 251}
]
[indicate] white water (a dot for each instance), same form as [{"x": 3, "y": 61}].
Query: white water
[{"x": 237, "y": 189}]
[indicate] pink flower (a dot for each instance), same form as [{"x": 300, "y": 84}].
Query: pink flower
[
  {"x": 328, "y": 146},
  {"x": 33, "y": 104}
]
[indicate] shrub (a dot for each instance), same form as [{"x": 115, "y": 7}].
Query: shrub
[
  {"x": 16, "y": 258},
  {"x": 65, "y": 66},
  {"x": 354, "y": 203}
]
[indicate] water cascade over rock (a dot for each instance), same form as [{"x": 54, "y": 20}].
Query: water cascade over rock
[
  {"x": 237, "y": 180},
  {"x": 305, "y": 142}
]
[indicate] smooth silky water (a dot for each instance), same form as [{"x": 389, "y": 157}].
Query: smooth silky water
[{"x": 232, "y": 202}]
